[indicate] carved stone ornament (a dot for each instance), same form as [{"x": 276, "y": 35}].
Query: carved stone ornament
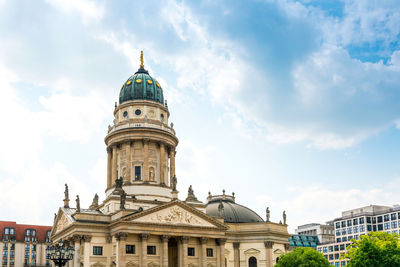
[
  {"x": 203, "y": 240},
  {"x": 132, "y": 264},
  {"x": 221, "y": 241},
  {"x": 87, "y": 238},
  {"x": 191, "y": 197},
  {"x": 144, "y": 236},
  {"x": 95, "y": 202},
  {"x": 175, "y": 215},
  {"x": 236, "y": 245}
]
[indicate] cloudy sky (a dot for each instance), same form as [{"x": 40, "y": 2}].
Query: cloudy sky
[{"x": 293, "y": 105}]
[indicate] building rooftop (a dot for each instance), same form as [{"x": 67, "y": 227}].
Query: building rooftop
[{"x": 20, "y": 231}]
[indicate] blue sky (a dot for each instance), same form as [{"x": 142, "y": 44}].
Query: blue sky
[{"x": 293, "y": 105}]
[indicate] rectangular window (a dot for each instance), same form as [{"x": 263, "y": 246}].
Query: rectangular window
[
  {"x": 130, "y": 249},
  {"x": 337, "y": 225},
  {"x": 331, "y": 257},
  {"x": 320, "y": 250},
  {"x": 343, "y": 223},
  {"x": 5, "y": 246},
  {"x": 190, "y": 251},
  {"x": 12, "y": 247},
  {"x": 12, "y": 254},
  {"x": 343, "y": 231},
  {"x": 355, "y": 229},
  {"x": 337, "y": 247},
  {"x": 26, "y": 255},
  {"x": 337, "y": 232},
  {"x": 362, "y": 228},
  {"x": 393, "y": 216},
  {"x": 361, "y": 220},
  {"x": 380, "y": 227},
  {"x": 341, "y": 246},
  {"x": 28, "y": 232},
  {"x": 374, "y": 228},
  {"x": 386, "y": 218},
  {"x": 368, "y": 219},
  {"x": 349, "y": 230},
  {"x": 97, "y": 250},
  {"x": 33, "y": 232},
  {"x": 387, "y": 226},
  {"x": 344, "y": 239},
  {"x": 27, "y": 239},
  {"x": 330, "y": 248},
  {"x": 394, "y": 224},
  {"x": 350, "y": 237},
  {"x": 210, "y": 252},
  {"x": 355, "y": 221},
  {"x": 336, "y": 256},
  {"x": 356, "y": 237},
  {"x": 33, "y": 247},
  {"x": 6, "y": 231},
  {"x": 380, "y": 219},
  {"x": 138, "y": 173},
  {"x": 151, "y": 250},
  {"x": 338, "y": 240},
  {"x": 348, "y": 222},
  {"x": 26, "y": 247},
  {"x": 325, "y": 250}
]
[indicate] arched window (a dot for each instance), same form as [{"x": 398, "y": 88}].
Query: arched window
[{"x": 252, "y": 262}]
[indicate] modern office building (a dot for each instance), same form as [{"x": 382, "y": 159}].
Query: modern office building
[
  {"x": 23, "y": 245},
  {"x": 357, "y": 222},
  {"x": 323, "y": 232}
]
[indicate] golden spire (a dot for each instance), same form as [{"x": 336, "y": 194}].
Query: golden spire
[{"x": 141, "y": 59}]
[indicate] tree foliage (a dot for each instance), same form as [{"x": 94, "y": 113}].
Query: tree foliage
[
  {"x": 377, "y": 249},
  {"x": 303, "y": 257}
]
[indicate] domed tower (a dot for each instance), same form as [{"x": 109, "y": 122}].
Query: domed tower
[{"x": 141, "y": 145}]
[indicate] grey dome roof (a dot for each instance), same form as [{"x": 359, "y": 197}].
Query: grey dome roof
[{"x": 232, "y": 212}]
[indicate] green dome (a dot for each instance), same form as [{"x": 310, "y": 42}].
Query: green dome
[{"x": 141, "y": 86}]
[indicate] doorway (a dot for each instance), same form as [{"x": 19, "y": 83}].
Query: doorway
[{"x": 172, "y": 252}]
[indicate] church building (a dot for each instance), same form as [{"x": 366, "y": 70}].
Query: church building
[{"x": 142, "y": 222}]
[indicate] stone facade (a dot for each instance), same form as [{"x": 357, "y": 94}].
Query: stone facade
[{"x": 142, "y": 222}]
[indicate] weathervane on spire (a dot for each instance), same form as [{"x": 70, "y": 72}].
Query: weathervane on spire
[{"x": 141, "y": 59}]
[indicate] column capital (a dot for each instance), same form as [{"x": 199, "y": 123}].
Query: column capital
[
  {"x": 144, "y": 236},
  {"x": 121, "y": 236},
  {"x": 108, "y": 239},
  {"x": 77, "y": 238},
  {"x": 268, "y": 244},
  {"x": 165, "y": 238},
  {"x": 203, "y": 240},
  {"x": 87, "y": 238},
  {"x": 146, "y": 140},
  {"x": 184, "y": 239},
  {"x": 221, "y": 241},
  {"x": 236, "y": 245}
]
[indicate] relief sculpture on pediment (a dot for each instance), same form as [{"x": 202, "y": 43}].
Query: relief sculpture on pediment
[
  {"x": 62, "y": 223},
  {"x": 176, "y": 215}
]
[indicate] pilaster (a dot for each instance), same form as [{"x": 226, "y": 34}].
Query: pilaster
[
  {"x": 146, "y": 160},
  {"x": 236, "y": 254},
  {"x": 144, "y": 238},
  {"x": 268, "y": 252},
  {"x": 164, "y": 239},
  {"x": 185, "y": 241}
]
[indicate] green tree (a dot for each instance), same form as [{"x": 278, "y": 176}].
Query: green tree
[
  {"x": 303, "y": 257},
  {"x": 377, "y": 249}
]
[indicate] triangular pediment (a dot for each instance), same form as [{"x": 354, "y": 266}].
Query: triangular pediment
[
  {"x": 61, "y": 221},
  {"x": 176, "y": 213}
]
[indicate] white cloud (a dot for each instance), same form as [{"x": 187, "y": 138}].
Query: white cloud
[
  {"x": 87, "y": 9},
  {"x": 319, "y": 204}
]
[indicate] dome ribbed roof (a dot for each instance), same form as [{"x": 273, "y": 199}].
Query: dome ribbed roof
[
  {"x": 141, "y": 86},
  {"x": 232, "y": 212}
]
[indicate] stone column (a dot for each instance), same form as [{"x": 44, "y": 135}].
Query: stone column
[
  {"x": 146, "y": 160},
  {"x": 162, "y": 164},
  {"x": 86, "y": 253},
  {"x": 164, "y": 240},
  {"x": 203, "y": 242},
  {"x": 121, "y": 243},
  {"x": 221, "y": 243},
  {"x": 144, "y": 238},
  {"x": 114, "y": 165},
  {"x": 109, "y": 159},
  {"x": 171, "y": 164},
  {"x": 77, "y": 253},
  {"x": 185, "y": 241},
  {"x": 236, "y": 254},
  {"x": 128, "y": 162},
  {"x": 268, "y": 252}
]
